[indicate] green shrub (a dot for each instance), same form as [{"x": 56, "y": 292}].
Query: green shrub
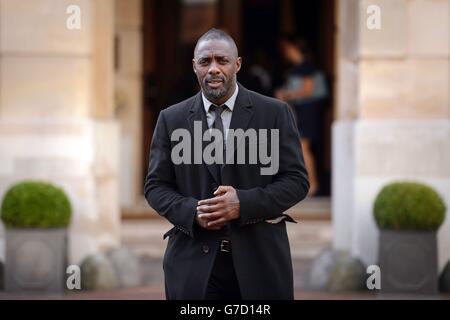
[
  {"x": 409, "y": 206},
  {"x": 34, "y": 204}
]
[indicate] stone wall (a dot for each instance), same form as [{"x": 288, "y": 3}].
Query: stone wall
[
  {"x": 393, "y": 113},
  {"x": 56, "y": 112},
  {"x": 128, "y": 98}
]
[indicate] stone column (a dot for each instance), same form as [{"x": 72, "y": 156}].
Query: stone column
[
  {"x": 56, "y": 119},
  {"x": 128, "y": 99},
  {"x": 393, "y": 113}
]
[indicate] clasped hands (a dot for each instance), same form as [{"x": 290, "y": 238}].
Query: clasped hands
[{"x": 214, "y": 213}]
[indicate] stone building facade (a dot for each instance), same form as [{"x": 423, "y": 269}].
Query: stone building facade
[
  {"x": 56, "y": 111},
  {"x": 392, "y": 113},
  {"x": 71, "y": 109}
]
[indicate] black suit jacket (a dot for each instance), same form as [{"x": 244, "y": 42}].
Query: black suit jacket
[{"x": 260, "y": 250}]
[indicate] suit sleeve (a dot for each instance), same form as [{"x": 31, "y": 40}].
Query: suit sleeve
[
  {"x": 160, "y": 189},
  {"x": 289, "y": 185}
]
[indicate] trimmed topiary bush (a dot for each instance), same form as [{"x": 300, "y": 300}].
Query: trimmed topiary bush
[
  {"x": 409, "y": 206},
  {"x": 34, "y": 204}
]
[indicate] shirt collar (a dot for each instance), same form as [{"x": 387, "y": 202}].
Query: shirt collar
[{"x": 230, "y": 102}]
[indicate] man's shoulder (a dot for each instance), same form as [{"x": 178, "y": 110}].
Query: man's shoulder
[
  {"x": 258, "y": 97},
  {"x": 265, "y": 103}
]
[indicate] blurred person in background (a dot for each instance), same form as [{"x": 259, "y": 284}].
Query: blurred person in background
[
  {"x": 304, "y": 88},
  {"x": 256, "y": 75}
]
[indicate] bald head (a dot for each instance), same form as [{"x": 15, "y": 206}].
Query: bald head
[{"x": 216, "y": 34}]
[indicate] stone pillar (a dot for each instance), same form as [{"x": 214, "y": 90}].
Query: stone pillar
[
  {"x": 56, "y": 119},
  {"x": 393, "y": 114},
  {"x": 128, "y": 98}
]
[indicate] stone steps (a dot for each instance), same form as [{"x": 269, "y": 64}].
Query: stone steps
[{"x": 142, "y": 232}]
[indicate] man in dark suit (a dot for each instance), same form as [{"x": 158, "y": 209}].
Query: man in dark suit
[{"x": 229, "y": 239}]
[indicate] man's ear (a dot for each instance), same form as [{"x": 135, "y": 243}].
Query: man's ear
[
  {"x": 193, "y": 65},
  {"x": 238, "y": 64}
]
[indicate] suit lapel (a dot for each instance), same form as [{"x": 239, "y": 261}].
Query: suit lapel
[
  {"x": 242, "y": 114},
  {"x": 197, "y": 113}
]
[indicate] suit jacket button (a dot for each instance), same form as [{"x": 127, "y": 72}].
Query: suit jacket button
[{"x": 205, "y": 249}]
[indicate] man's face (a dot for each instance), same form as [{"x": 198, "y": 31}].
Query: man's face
[{"x": 215, "y": 64}]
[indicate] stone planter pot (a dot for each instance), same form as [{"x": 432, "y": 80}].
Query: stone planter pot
[
  {"x": 408, "y": 262},
  {"x": 36, "y": 260}
]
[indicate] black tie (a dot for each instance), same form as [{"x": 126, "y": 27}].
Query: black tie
[{"x": 218, "y": 124}]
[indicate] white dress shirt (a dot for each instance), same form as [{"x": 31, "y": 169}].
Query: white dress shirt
[{"x": 226, "y": 114}]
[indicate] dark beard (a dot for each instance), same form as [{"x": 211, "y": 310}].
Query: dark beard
[{"x": 216, "y": 94}]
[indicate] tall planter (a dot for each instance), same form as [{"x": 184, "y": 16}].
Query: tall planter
[
  {"x": 36, "y": 260},
  {"x": 408, "y": 215},
  {"x": 408, "y": 262},
  {"x": 36, "y": 216}
]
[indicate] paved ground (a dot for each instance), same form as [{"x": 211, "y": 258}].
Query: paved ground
[{"x": 157, "y": 293}]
